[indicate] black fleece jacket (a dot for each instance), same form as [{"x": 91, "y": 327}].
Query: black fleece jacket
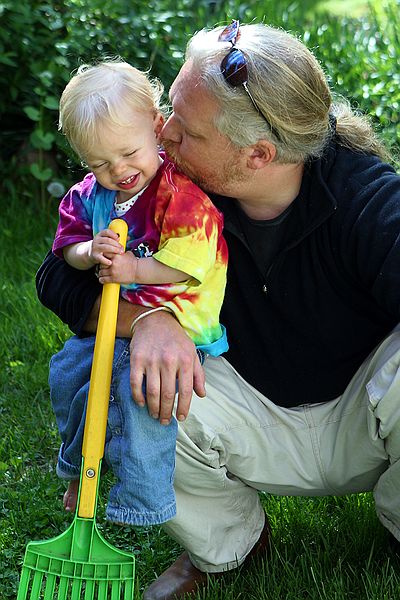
[{"x": 299, "y": 332}]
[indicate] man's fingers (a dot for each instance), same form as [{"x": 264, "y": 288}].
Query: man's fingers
[
  {"x": 162, "y": 351},
  {"x": 166, "y": 405},
  {"x": 153, "y": 386},
  {"x": 199, "y": 379},
  {"x": 185, "y": 387},
  {"x": 136, "y": 381},
  {"x": 168, "y": 390}
]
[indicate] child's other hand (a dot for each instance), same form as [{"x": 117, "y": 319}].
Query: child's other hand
[
  {"x": 105, "y": 243},
  {"x": 121, "y": 270}
]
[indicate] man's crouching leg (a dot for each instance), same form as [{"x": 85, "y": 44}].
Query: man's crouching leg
[{"x": 220, "y": 521}]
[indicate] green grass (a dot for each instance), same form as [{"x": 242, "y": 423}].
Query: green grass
[
  {"x": 352, "y": 8},
  {"x": 323, "y": 548}
]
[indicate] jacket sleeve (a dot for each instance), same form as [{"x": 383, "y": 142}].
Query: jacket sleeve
[
  {"x": 370, "y": 233},
  {"x": 67, "y": 292}
]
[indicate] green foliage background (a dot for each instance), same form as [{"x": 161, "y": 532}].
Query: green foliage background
[
  {"x": 42, "y": 42},
  {"x": 331, "y": 548}
]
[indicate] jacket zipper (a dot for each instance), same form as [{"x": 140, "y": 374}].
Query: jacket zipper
[{"x": 293, "y": 245}]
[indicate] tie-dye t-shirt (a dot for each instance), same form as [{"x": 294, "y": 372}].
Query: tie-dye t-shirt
[{"x": 177, "y": 224}]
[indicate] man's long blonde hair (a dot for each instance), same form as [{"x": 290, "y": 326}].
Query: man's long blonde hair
[{"x": 290, "y": 88}]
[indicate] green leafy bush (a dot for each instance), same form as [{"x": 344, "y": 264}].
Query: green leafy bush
[{"x": 41, "y": 43}]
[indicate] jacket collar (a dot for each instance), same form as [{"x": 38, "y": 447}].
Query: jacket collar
[{"x": 314, "y": 204}]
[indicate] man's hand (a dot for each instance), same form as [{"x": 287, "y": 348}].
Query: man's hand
[{"x": 163, "y": 352}]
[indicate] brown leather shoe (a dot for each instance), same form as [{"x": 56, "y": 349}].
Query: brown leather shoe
[{"x": 184, "y": 578}]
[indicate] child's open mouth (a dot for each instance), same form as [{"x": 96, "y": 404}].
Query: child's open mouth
[{"x": 129, "y": 183}]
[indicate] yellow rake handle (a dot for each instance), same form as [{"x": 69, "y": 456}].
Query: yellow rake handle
[{"x": 99, "y": 390}]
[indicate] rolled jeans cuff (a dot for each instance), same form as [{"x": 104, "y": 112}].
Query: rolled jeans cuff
[
  {"x": 64, "y": 469},
  {"x": 128, "y": 516}
]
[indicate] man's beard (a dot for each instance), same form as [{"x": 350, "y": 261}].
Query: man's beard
[
  {"x": 213, "y": 182},
  {"x": 182, "y": 166}
]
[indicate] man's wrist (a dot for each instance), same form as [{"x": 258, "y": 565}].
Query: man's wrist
[{"x": 147, "y": 313}]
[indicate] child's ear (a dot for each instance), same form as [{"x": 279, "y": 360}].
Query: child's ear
[{"x": 158, "y": 124}]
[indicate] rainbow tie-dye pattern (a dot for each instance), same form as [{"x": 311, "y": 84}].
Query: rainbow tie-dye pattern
[{"x": 177, "y": 224}]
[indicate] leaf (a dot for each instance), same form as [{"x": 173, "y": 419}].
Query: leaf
[
  {"x": 32, "y": 112},
  {"x": 42, "y": 140},
  {"x": 51, "y": 102},
  {"x": 41, "y": 174},
  {"x": 6, "y": 60}
]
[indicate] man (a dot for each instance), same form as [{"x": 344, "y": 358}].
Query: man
[{"x": 306, "y": 401}]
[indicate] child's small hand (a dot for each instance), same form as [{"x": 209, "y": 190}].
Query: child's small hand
[
  {"x": 122, "y": 269},
  {"x": 105, "y": 243}
]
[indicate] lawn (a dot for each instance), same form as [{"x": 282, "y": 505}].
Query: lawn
[
  {"x": 323, "y": 548},
  {"x": 330, "y": 548},
  {"x": 354, "y": 8}
]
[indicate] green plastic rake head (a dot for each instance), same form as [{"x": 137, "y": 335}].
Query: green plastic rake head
[{"x": 79, "y": 564}]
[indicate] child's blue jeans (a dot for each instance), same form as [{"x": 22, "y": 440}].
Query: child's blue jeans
[{"x": 139, "y": 450}]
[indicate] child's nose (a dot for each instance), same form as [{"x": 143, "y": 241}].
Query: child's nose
[{"x": 118, "y": 168}]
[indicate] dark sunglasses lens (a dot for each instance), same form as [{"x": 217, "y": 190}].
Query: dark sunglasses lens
[{"x": 234, "y": 68}]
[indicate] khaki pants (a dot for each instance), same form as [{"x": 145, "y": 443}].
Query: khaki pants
[{"x": 235, "y": 442}]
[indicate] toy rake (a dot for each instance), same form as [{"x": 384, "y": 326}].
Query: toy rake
[{"x": 80, "y": 564}]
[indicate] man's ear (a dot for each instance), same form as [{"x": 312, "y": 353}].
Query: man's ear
[
  {"x": 158, "y": 124},
  {"x": 260, "y": 154}
]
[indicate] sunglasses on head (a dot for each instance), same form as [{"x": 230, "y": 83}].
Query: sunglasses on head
[{"x": 234, "y": 67}]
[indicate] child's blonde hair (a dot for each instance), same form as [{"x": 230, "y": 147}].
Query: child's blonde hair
[{"x": 96, "y": 94}]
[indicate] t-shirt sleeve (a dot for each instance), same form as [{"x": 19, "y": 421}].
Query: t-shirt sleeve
[
  {"x": 75, "y": 222},
  {"x": 189, "y": 234},
  {"x": 67, "y": 292}
]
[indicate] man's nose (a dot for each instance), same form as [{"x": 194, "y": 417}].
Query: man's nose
[{"x": 171, "y": 131}]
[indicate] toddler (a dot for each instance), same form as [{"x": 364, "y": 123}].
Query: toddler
[{"x": 176, "y": 260}]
